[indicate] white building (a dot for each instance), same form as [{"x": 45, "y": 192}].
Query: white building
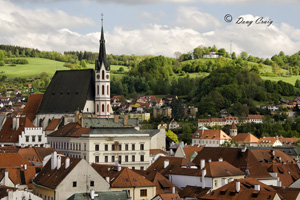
[{"x": 209, "y": 138}]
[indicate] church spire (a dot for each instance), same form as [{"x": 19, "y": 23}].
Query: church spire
[{"x": 102, "y": 52}]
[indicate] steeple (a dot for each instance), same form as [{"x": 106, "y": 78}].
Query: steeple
[{"x": 102, "y": 52}]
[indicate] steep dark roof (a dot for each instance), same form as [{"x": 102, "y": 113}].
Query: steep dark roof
[{"x": 68, "y": 91}]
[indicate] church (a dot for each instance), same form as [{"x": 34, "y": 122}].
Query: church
[{"x": 85, "y": 91}]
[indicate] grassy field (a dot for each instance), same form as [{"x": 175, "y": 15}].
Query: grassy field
[
  {"x": 35, "y": 67},
  {"x": 38, "y": 65},
  {"x": 290, "y": 80}
]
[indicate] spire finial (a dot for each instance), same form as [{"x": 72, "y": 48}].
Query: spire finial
[{"x": 102, "y": 18}]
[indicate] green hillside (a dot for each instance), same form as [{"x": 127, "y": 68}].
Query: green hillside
[{"x": 38, "y": 65}]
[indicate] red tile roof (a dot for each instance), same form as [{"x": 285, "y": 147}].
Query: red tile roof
[
  {"x": 236, "y": 157},
  {"x": 123, "y": 178},
  {"x": 211, "y": 134},
  {"x": 32, "y": 106},
  {"x": 70, "y": 130},
  {"x": 233, "y": 126},
  {"x": 190, "y": 149},
  {"x": 163, "y": 185},
  {"x": 255, "y": 116},
  {"x": 193, "y": 192},
  {"x": 172, "y": 196},
  {"x": 267, "y": 140},
  {"x": 247, "y": 191},
  {"x": 53, "y": 124},
  {"x": 9, "y": 135},
  {"x": 12, "y": 160},
  {"x": 157, "y": 151},
  {"x": 245, "y": 138},
  {"x": 52, "y": 178},
  {"x": 287, "y": 193},
  {"x": 222, "y": 169},
  {"x": 35, "y": 154}
]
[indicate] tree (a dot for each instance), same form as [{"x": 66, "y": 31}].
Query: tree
[
  {"x": 172, "y": 135},
  {"x": 297, "y": 84},
  {"x": 83, "y": 64},
  {"x": 244, "y": 55}
]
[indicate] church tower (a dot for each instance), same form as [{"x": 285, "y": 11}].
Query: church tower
[
  {"x": 233, "y": 130},
  {"x": 102, "y": 81}
]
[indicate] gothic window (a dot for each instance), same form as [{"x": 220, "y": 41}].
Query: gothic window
[
  {"x": 108, "y": 108},
  {"x": 102, "y": 107},
  {"x": 103, "y": 74},
  {"x": 97, "y": 89},
  {"x": 102, "y": 89},
  {"x": 107, "y": 90}
]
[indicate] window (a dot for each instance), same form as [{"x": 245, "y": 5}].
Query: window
[
  {"x": 102, "y": 74},
  {"x": 133, "y": 168},
  {"x": 126, "y": 147},
  {"x": 96, "y": 147},
  {"x": 112, "y": 158},
  {"x": 102, "y": 107},
  {"x": 141, "y": 146},
  {"x": 97, "y": 89},
  {"x": 96, "y": 159},
  {"x": 74, "y": 183},
  {"x": 106, "y": 159},
  {"x": 126, "y": 158},
  {"x": 133, "y": 158},
  {"x": 33, "y": 138},
  {"x": 108, "y": 108},
  {"x": 142, "y": 168},
  {"x": 142, "y": 158},
  {"x": 216, "y": 183},
  {"x": 92, "y": 183},
  {"x": 143, "y": 193},
  {"x": 102, "y": 89},
  {"x": 27, "y": 138},
  {"x": 112, "y": 147},
  {"x": 97, "y": 107},
  {"x": 133, "y": 147},
  {"x": 120, "y": 159},
  {"x": 108, "y": 90},
  {"x": 120, "y": 147},
  {"x": 84, "y": 146}
]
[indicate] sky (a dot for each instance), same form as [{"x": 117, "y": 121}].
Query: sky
[{"x": 262, "y": 28}]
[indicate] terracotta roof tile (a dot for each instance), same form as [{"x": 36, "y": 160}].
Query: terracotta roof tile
[
  {"x": 9, "y": 135},
  {"x": 163, "y": 185},
  {"x": 171, "y": 196},
  {"x": 12, "y": 160},
  {"x": 245, "y": 138},
  {"x": 157, "y": 151},
  {"x": 35, "y": 154},
  {"x": 210, "y": 134},
  {"x": 267, "y": 140},
  {"x": 123, "y": 178},
  {"x": 193, "y": 192},
  {"x": 32, "y": 106},
  {"x": 222, "y": 169},
  {"x": 287, "y": 193},
  {"x": 190, "y": 149},
  {"x": 233, "y": 126},
  {"x": 247, "y": 191},
  {"x": 255, "y": 116},
  {"x": 53, "y": 124},
  {"x": 236, "y": 157},
  {"x": 52, "y": 178},
  {"x": 70, "y": 130}
]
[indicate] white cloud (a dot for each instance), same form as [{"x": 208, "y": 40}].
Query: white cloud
[
  {"x": 247, "y": 1},
  {"x": 191, "y": 17},
  {"x": 155, "y": 16},
  {"x": 47, "y": 30}
]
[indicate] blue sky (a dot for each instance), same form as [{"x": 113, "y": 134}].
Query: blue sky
[{"x": 156, "y": 27}]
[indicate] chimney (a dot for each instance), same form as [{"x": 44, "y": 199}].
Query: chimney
[
  {"x": 107, "y": 179},
  {"x": 166, "y": 163},
  {"x": 203, "y": 175},
  {"x": 209, "y": 160},
  {"x": 67, "y": 163},
  {"x": 53, "y": 160},
  {"x": 6, "y": 178},
  {"x": 119, "y": 167},
  {"x": 202, "y": 164},
  {"x": 220, "y": 159},
  {"x": 17, "y": 123},
  {"x": 116, "y": 118},
  {"x": 93, "y": 195},
  {"x": 257, "y": 187},
  {"x": 25, "y": 167},
  {"x": 173, "y": 190},
  {"x": 58, "y": 162},
  {"x": 125, "y": 120},
  {"x": 273, "y": 153},
  {"x": 238, "y": 186}
]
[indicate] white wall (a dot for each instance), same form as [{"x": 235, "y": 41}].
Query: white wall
[{"x": 31, "y": 132}]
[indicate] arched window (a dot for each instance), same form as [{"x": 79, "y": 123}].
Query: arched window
[
  {"x": 108, "y": 108},
  {"x": 102, "y": 89},
  {"x": 97, "y": 89},
  {"x": 102, "y": 107},
  {"x": 103, "y": 74},
  {"x": 108, "y": 90}
]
